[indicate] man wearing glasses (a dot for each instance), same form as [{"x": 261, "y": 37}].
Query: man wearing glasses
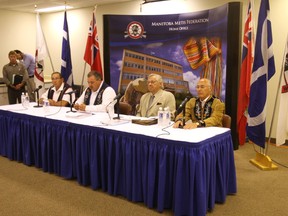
[
  {"x": 156, "y": 98},
  {"x": 56, "y": 93},
  {"x": 203, "y": 111}
]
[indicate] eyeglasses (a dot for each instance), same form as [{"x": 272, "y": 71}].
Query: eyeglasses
[
  {"x": 201, "y": 86},
  {"x": 55, "y": 78},
  {"x": 151, "y": 81}
]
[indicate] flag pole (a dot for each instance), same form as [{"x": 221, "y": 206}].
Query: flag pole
[
  {"x": 48, "y": 51},
  {"x": 82, "y": 81},
  {"x": 256, "y": 131},
  {"x": 274, "y": 110}
]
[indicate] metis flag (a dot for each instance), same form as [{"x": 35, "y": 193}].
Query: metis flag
[
  {"x": 282, "y": 125},
  {"x": 40, "y": 55},
  {"x": 66, "y": 66},
  {"x": 92, "y": 51},
  {"x": 246, "y": 70},
  {"x": 263, "y": 70}
]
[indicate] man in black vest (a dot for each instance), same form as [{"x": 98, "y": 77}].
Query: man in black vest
[
  {"x": 56, "y": 93},
  {"x": 97, "y": 96}
]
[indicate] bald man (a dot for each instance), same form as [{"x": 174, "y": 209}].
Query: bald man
[{"x": 203, "y": 111}]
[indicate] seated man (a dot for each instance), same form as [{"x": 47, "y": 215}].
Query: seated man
[
  {"x": 156, "y": 98},
  {"x": 56, "y": 94},
  {"x": 203, "y": 111},
  {"x": 97, "y": 96}
]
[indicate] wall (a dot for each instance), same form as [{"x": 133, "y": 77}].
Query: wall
[{"x": 18, "y": 31}]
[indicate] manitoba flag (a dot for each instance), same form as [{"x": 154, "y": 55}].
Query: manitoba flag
[
  {"x": 246, "y": 70},
  {"x": 92, "y": 51}
]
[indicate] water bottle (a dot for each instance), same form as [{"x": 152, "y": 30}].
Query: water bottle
[
  {"x": 160, "y": 116},
  {"x": 26, "y": 100},
  {"x": 23, "y": 99},
  {"x": 46, "y": 105},
  {"x": 167, "y": 116}
]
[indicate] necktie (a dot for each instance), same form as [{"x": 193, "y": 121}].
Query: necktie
[{"x": 149, "y": 104}]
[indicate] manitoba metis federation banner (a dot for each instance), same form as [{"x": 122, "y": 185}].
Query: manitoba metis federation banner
[{"x": 182, "y": 48}]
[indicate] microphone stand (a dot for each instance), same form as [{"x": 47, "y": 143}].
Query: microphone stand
[
  {"x": 184, "y": 112},
  {"x": 37, "y": 96},
  {"x": 71, "y": 104},
  {"x": 183, "y": 120},
  {"x": 118, "y": 110}
]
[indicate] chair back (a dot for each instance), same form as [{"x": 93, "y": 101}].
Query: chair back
[
  {"x": 125, "y": 108},
  {"x": 226, "y": 121}
]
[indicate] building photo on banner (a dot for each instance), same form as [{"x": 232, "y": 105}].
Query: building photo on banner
[{"x": 126, "y": 158}]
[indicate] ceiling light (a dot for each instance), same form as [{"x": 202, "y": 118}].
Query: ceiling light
[{"x": 51, "y": 9}]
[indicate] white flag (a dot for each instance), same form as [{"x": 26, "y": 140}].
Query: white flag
[
  {"x": 40, "y": 55},
  {"x": 282, "y": 126}
]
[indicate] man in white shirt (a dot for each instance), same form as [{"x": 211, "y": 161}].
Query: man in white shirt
[
  {"x": 97, "y": 96},
  {"x": 57, "y": 93}
]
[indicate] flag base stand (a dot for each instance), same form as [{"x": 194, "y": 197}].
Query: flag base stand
[{"x": 263, "y": 162}]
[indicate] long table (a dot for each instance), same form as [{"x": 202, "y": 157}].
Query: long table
[{"x": 187, "y": 171}]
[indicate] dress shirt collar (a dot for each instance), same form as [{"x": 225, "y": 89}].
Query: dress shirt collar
[{"x": 60, "y": 88}]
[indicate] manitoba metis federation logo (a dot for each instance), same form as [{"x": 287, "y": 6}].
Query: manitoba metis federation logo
[{"x": 135, "y": 30}]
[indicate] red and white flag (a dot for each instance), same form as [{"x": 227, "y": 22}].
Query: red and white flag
[
  {"x": 92, "y": 51},
  {"x": 282, "y": 125},
  {"x": 40, "y": 55},
  {"x": 246, "y": 70}
]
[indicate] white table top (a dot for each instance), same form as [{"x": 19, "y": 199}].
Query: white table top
[{"x": 125, "y": 125}]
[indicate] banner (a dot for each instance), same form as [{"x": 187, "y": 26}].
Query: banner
[
  {"x": 66, "y": 66},
  {"x": 263, "y": 70},
  {"x": 182, "y": 48},
  {"x": 246, "y": 70},
  {"x": 282, "y": 126},
  {"x": 40, "y": 55},
  {"x": 92, "y": 51}
]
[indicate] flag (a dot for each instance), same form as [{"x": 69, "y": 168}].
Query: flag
[
  {"x": 92, "y": 51},
  {"x": 246, "y": 70},
  {"x": 282, "y": 125},
  {"x": 263, "y": 70},
  {"x": 40, "y": 55},
  {"x": 66, "y": 66}
]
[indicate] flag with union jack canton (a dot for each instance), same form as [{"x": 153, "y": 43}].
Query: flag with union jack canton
[
  {"x": 92, "y": 51},
  {"x": 246, "y": 70},
  {"x": 66, "y": 66},
  {"x": 263, "y": 70}
]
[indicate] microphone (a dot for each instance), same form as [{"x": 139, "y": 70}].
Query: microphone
[
  {"x": 37, "y": 89},
  {"x": 71, "y": 92},
  {"x": 118, "y": 96},
  {"x": 182, "y": 104}
]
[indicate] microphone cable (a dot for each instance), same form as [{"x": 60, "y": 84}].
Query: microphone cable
[
  {"x": 54, "y": 113},
  {"x": 164, "y": 130}
]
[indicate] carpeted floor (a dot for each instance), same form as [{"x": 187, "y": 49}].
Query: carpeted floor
[{"x": 29, "y": 191}]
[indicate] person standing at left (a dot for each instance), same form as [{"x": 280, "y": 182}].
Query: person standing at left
[
  {"x": 29, "y": 63},
  {"x": 15, "y": 77}
]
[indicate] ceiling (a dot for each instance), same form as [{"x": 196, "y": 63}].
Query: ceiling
[{"x": 29, "y": 5}]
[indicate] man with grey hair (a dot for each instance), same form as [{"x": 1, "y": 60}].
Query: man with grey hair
[{"x": 156, "y": 98}]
